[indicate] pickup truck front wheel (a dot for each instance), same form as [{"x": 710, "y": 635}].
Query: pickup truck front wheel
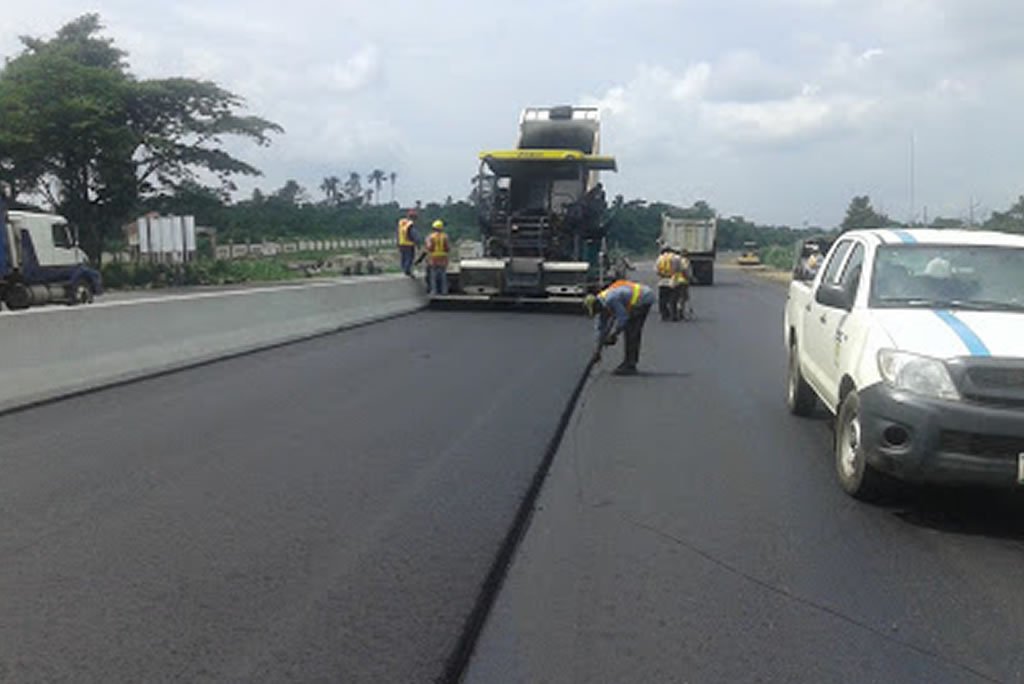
[
  {"x": 800, "y": 397},
  {"x": 856, "y": 476}
]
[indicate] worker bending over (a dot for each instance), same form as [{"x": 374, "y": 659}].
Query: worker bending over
[
  {"x": 622, "y": 307},
  {"x": 436, "y": 249}
]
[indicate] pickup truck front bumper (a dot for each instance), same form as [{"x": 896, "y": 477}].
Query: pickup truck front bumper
[{"x": 919, "y": 439}]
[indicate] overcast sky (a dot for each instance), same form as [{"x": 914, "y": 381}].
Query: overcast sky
[{"x": 779, "y": 110}]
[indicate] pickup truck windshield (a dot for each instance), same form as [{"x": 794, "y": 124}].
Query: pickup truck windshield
[{"x": 948, "y": 276}]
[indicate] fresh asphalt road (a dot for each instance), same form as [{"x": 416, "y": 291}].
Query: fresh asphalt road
[
  {"x": 326, "y": 512},
  {"x": 691, "y": 530},
  {"x": 321, "y": 512}
]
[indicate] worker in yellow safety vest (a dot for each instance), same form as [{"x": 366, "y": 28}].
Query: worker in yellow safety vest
[
  {"x": 668, "y": 267},
  {"x": 622, "y": 307},
  {"x": 436, "y": 249},
  {"x": 407, "y": 240}
]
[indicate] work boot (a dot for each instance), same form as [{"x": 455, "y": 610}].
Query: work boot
[{"x": 624, "y": 369}]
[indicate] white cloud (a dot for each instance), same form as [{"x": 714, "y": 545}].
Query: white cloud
[
  {"x": 778, "y": 109},
  {"x": 356, "y": 72}
]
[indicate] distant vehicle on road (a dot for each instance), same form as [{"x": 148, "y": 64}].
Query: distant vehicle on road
[
  {"x": 698, "y": 237},
  {"x": 41, "y": 262},
  {"x": 914, "y": 341},
  {"x": 750, "y": 256}
]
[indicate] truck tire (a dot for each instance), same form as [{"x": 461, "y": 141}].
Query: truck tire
[
  {"x": 80, "y": 292},
  {"x": 857, "y": 477},
  {"x": 800, "y": 398},
  {"x": 17, "y": 297},
  {"x": 709, "y": 275}
]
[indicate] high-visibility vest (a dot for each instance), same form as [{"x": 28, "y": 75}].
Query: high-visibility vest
[
  {"x": 404, "y": 227},
  {"x": 437, "y": 248},
  {"x": 680, "y": 277},
  {"x": 603, "y": 294},
  {"x": 664, "y": 265}
]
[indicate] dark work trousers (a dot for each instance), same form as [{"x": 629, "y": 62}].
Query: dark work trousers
[
  {"x": 407, "y": 252},
  {"x": 668, "y": 298},
  {"x": 682, "y": 300},
  {"x": 634, "y": 328}
]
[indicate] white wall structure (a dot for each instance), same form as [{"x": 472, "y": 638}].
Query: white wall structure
[
  {"x": 167, "y": 238},
  {"x": 53, "y": 351}
]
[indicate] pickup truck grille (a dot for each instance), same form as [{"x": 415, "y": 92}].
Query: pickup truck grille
[
  {"x": 992, "y": 381},
  {"x": 997, "y": 378},
  {"x": 991, "y": 446}
]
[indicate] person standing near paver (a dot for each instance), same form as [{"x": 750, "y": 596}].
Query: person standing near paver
[
  {"x": 407, "y": 240},
  {"x": 436, "y": 248}
]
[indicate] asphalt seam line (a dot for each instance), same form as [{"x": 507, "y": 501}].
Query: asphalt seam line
[{"x": 458, "y": 661}]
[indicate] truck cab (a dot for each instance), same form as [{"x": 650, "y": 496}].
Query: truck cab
[
  {"x": 914, "y": 341},
  {"x": 41, "y": 262}
]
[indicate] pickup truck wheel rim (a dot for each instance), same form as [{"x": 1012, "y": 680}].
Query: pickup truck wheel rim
[{"x": 850, "y": 444}]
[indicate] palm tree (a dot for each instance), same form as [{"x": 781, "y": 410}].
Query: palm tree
[
  {"x": 377, "y": 177},
  {"x": 330, "y": 187},
  {"x": 393, "y": 177}
]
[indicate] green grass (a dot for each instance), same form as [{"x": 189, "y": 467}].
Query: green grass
[{"x": 777, "y": 257}]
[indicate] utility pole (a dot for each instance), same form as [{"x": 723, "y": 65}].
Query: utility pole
[
  {"x": 913, "y": 214},
  {"x": 971, "y": 207}
]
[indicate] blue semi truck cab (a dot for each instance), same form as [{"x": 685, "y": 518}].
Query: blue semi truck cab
[{"x": 41, "y": 262}]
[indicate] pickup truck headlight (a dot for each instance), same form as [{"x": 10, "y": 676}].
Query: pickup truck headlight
[{"x": 915, "y": 373}]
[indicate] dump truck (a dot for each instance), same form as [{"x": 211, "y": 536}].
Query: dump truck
[
  {"x": 41, "y": 262},
  {"x": 696, "y": 236},
  {"x": 541, "y": 211}
]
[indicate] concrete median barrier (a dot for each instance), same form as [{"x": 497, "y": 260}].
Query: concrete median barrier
[{"x": 54, "y": 351}]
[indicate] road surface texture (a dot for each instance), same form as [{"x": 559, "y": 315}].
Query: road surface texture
[
  {"x": 321, "y": 512},
  {"x": 691, "y": 530}
]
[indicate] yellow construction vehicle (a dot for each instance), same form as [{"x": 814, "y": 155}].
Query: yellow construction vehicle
[
  {"x": 542, "y": 214},
  {"x": 750, "y": 255}
]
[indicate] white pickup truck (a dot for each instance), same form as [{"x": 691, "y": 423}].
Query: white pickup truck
[{"x": 914, "y": 341}]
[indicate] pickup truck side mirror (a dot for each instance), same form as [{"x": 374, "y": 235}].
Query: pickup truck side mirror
[{"x": 834, "y": 296}]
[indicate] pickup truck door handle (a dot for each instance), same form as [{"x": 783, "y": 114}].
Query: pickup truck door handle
[
  {"x": 807, "y": 306},
  {"x": 823, "y": 319}
]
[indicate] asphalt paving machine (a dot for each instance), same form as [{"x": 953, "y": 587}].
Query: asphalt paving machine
[{"x": 542, "y": 214}]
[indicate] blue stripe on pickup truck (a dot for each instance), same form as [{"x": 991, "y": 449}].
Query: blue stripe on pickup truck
[
  {"x": 905, "y": 237},
  {"x": 964, "y": 332}
]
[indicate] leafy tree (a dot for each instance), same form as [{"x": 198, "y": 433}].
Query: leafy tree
[
  {"x": 353, "y": 188},
  {"x": 291, "y": 193},
  {"x": 392, "y": 177},
  {"x": 941, "y": 222},
  {"x": 77, "y": 128},
  {"x": 860, "y": 214},
  {"x": 1009, "y": 221}
]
